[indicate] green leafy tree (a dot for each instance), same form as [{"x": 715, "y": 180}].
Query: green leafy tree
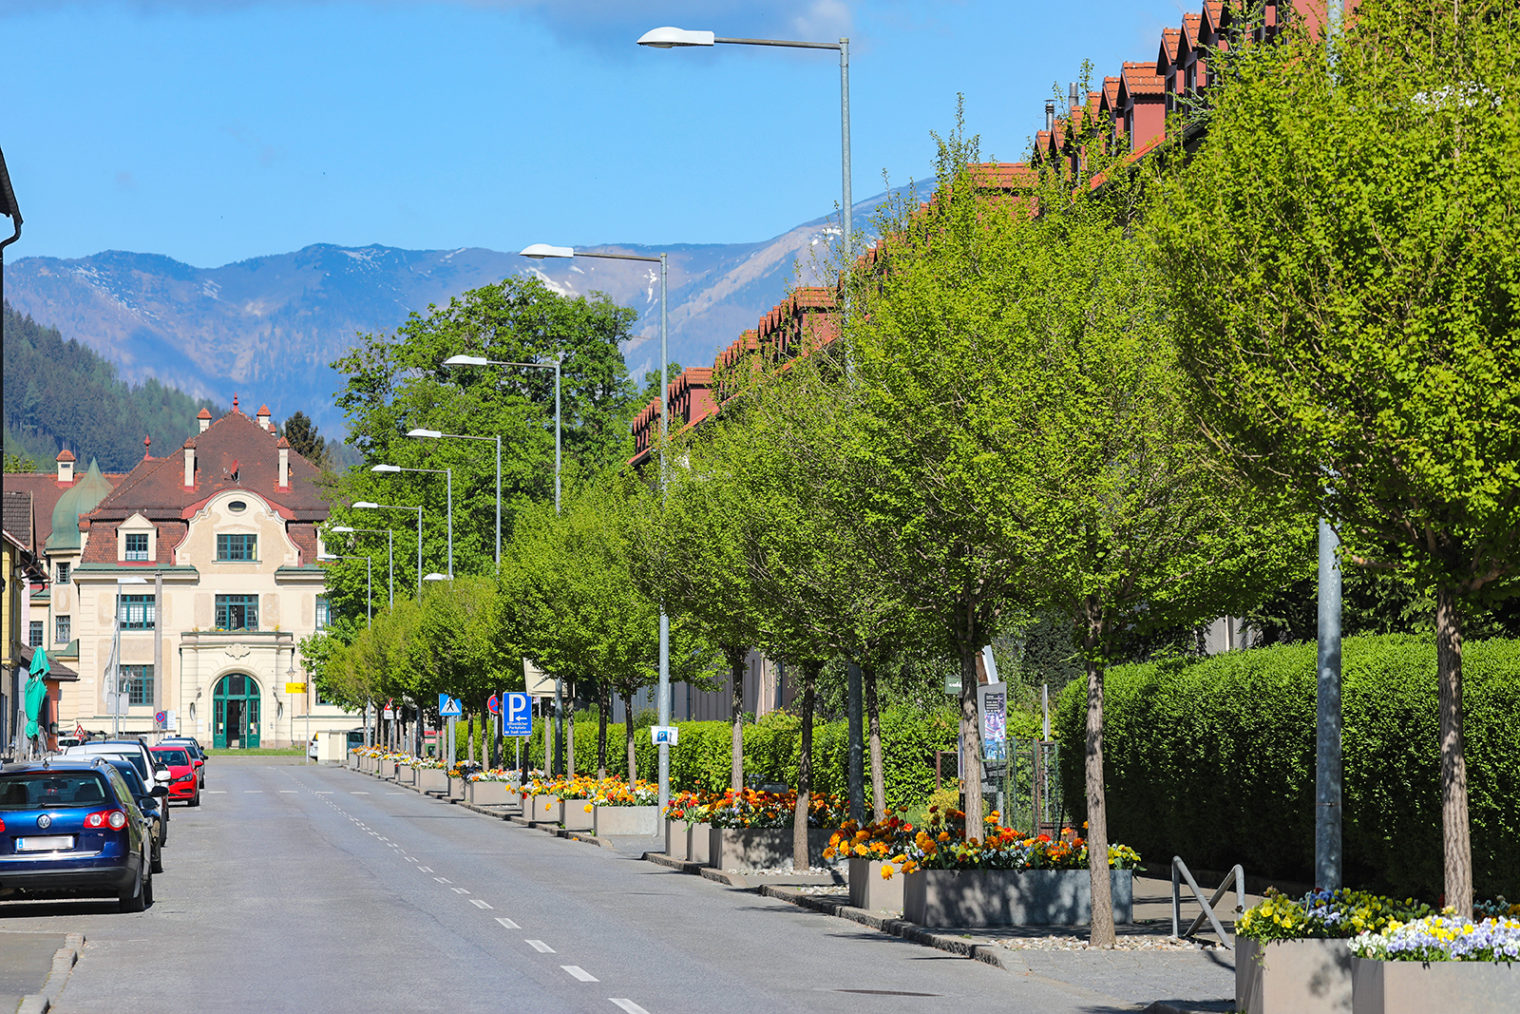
[{"x": 1341, "y": 264}]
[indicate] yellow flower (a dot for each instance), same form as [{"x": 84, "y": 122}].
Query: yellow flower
[
  {"x": 588, "y": 807},
  {"x": 886, "y": 871}
]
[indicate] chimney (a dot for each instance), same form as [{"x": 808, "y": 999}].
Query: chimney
[
  {"x": 1071, "y": 95},
  {"x": 189, "y": 464},
  {"x": 284, "y": 446},
  {"x": 204, "y": 418},
  {"x": 147, "y": 447},
  {"x": 1050, "y": 115},
  {"x": 263, "y": 417},
  {"x": 65, "y": 461}
]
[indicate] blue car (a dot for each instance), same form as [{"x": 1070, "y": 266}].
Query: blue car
[{"x": 73, "y": 827}]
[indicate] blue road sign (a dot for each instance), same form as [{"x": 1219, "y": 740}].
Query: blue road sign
[
  {"x": 516, "y": 715},
  {"x": 449, "y": 707}
]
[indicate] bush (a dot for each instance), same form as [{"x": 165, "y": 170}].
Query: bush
[{"x": 1214, "y": 761}]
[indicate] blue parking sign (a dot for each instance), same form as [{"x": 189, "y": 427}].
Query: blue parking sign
[{"x": 516, "y": 715}]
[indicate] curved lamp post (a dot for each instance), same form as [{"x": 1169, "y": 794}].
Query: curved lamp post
[
  {"x": 539, "y": 251},
  {"x": 448, "y": 474},
  {"x": 428, "y": 434},
  {"x": 390, "y": 552},
  {"x": 483, "y": 361},
  {"x": 371, "y": 505}
]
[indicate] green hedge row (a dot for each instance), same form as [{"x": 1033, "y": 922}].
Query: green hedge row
[
  {"x": 1214, "y": 761},
  {"x": 702, "y": 758}
]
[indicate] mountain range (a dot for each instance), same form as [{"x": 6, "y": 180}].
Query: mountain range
[{"x": 267, "y": 328}]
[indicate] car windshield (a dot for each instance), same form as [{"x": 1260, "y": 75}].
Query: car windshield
[
  {"x": 173, "y": 756},
  {"x": 26, "y": 790}
]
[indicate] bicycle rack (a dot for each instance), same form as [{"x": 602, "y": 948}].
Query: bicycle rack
[{"x": 1180, "y": 872}]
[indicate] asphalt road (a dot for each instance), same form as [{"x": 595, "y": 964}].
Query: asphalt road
[{"x": 316, "y": 888}]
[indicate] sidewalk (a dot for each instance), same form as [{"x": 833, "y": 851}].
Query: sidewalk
[{"x": 28, "y": 961}]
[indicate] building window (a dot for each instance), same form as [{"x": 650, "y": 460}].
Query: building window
[
  {"x": 137, "y": 680},
  {"x": 63, "y": 630},
  {"x": 137, "y": 612},
  {"x": 63, "y": 572},
  {"x": 237, "y": 547},
  {"x": 137, "y": 546},
  {"x": 237, "y": 612},
  {"x": 324, "y": 612},
  {"x": 34, "y": 640}
]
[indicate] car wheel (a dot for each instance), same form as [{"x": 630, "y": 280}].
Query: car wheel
[
  {"x": 158, "y": 861},
  {"x": 137, "y": 900},
  {"x": 195, "y": 800},
  {"x": 147, "y": 891}
]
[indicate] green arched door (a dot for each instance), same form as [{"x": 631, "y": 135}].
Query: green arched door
[{"x": 236, "y": 703}]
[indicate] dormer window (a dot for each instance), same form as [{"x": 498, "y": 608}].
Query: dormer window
[
  {"x": 136, "y": 540},
  {"x": 136, "y": 547}
]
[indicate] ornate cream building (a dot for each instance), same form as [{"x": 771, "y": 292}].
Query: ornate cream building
[{"x": 206, "y": 560}]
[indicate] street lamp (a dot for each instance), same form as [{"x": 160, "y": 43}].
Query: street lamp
[
  {"x": 371, "y": 505},
  {"x": 539, "y": 251},
  {"x": 677, "y": 38},
  {"x": 390, "y": 552},
  {"x": 556, "y": 366},
  {"x": 448, "y": 474},
  {"x": 369, "y": 586},
  {"x": 115, "y": 666},
  {"x": 435, "y": 434}
]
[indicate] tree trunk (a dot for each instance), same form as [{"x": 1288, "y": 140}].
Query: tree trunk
[
  {"x": 873, "y": 724},
  {"x": 469, "y": 734},
  {"x": 628, "y": 745},
  {"x": 804, "y": 770},
  {"x": 971, "y": 744},
  {"x": 603, "y": 705},
  {"x": 1102, "y": 928},
  {"x": 1455, "y": 837},
  {"x": 570, "y": 737},
  {"x": 736, "y": 658}
]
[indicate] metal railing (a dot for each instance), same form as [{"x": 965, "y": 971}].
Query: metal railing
[{"x": 1180, "y": 872}]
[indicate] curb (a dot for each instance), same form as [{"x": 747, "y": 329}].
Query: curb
[{"x": 64, "y": 960}]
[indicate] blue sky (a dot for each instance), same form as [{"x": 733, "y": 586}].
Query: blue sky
[{"x": 211, "y": 131}]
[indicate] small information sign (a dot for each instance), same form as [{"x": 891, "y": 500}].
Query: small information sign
[
  {"x": 449, "y": 707},
  {"x": 295, "y": 688},
  {"x": 516, "y": 714},
  {"x": 666, "y": 734}
]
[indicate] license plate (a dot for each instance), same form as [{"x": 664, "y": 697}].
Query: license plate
[{"x": 45, "y": 843}]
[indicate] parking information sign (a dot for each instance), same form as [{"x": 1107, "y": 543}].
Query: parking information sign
[{"x": 516, "y": 715}]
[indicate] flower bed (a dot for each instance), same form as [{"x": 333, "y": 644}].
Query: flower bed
[
  {"x": 625, "y": 819},
  {"x": 755, "y": 809},
  {"x": 1293, "y": 955},
  {"x": 492, "y": 792},
  {"x": 975, "y": 898},
  {"x": 1437, "y": 963},
  {"x": 759, "y": 848}
]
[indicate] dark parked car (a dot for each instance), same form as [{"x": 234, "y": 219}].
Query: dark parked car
[
  {"x": 151, "y": 802},
  {"x": 73, "y": 826}
]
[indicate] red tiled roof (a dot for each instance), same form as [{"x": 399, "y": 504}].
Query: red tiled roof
[
  {"x": 1110, "y": 100},
  {"x": 1002, "y": 175},
  {"x": 1191, "y": 23},
  {"x": 1168, "y": 51},
  {"x": 204, "y": 413},
  {"x": 1140, "y": 79},
  {"x": 65, "y": 455}
]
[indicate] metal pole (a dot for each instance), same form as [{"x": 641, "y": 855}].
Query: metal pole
[
  {"x": 369, "y": 592},
  {"x": 1327, "y": 752},
  {"x": 419, "y": 573},
  {"x": 498, "y": 503},
  {"x": 856, "y": 755},
  {"x": 662, "y": 706},
  {"x": 558, "y": 362},
  {"x": 390, "y": 556},
  {"x": 844, "y": 126},
  {"x": 448, "y": 476},
  {"x": 116, "y": 671}
]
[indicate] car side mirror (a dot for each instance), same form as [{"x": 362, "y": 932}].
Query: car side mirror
[
  {"x": 161, "y": 775},
  {"x": 199, "y": 762},
  {"x": 159, "y": 791}
]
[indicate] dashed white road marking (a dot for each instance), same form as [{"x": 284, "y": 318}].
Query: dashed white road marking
[
  {"x": 539, "y": 946},
  {"x": 507, "y": 923},
  {"x": 253, "y": 792},
  {"x": 358, "y": 792},
  {"x": 215, "y": 792},
  {"x": 479, "y": 904},
  {"x": 460, "y": 890},
  {"x": 623, "y": 1003},
  {"x": 424, "y": 869},
  {"x": 287, "y": 792},
  {"x": 324, "y": 792},
  {"x": 410, "y": 859},
  {"x": 443, "y": 880},
  {"x": 576, "y": 971}
]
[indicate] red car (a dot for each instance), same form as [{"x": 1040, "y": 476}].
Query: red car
[{"x": 183, "y": 783}]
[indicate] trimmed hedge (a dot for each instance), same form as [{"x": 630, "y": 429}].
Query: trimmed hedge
[
  {"x": 701, "y": 760},
  {"x": 1214, "y": 761}
]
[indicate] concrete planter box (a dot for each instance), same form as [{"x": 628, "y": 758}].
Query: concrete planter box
[
  {"x": 643, "y": 820},
  {"x": 458, "y": 788},
  {"x": 975, "y": 898},
  {"x": 492, "y": 794},
  {"x": 675, "y": 839},
  {"x": 761, "y": 848},
  {"x": 699, "y": 843},
  {"x": 1292, "y": 976},
  {"x": 405, "y": 774},
  {"x": 573, "y": 815},
  {"x": 387, "y": 769},
  {"x": 1448, "y": 987},
  {"x": 869, "y": 891},
  {"x": 543, "y": 809},
  {"x": 432, "y": 780}
]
